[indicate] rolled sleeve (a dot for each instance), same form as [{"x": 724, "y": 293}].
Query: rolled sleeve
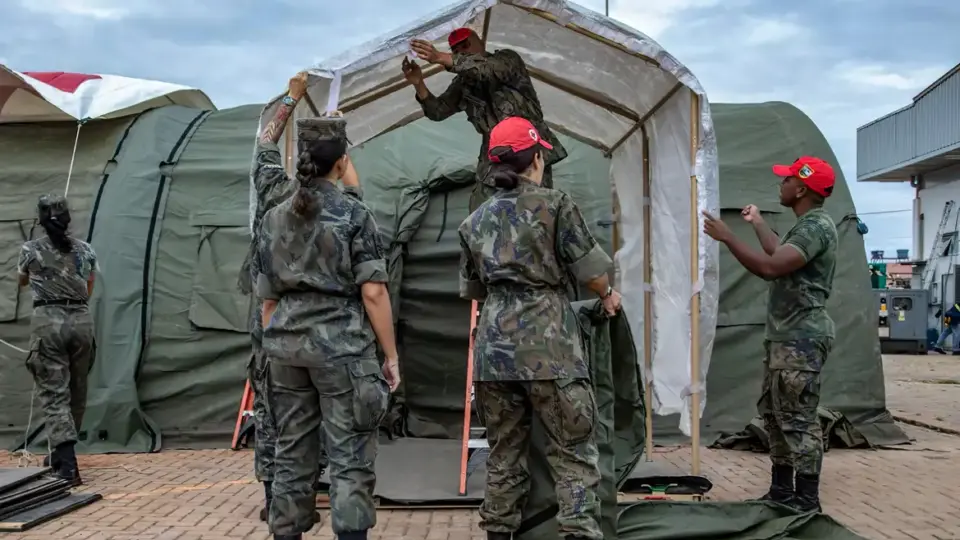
[
  {"x": 591, "y": 266},
  {"x": 265, "y": 290},
  {"x": 472, "y": 289},
  {"x": 371, "y": 272},
  {"x": 367, "y": 255}
]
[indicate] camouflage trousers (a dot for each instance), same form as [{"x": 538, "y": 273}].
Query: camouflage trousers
[
  {"x": 347, "y": 402},
  {"x": 265, "y": 430},
  {"x": 567, "y": 410},
  {"x": 62, "y": 352},
  {"x": 789, "y": 401}
]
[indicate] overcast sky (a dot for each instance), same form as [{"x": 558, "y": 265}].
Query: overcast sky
[{"x": 843, "y": 62}]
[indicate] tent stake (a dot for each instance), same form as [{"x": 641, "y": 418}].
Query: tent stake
[
  {"x": 647, "y": 299},
  {"x": 694, "y": 284}
]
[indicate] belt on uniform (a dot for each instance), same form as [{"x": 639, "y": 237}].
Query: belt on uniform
[{"x": 40, "y": 303}]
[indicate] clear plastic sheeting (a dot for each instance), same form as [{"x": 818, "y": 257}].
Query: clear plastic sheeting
[{"x": 598, "y": 81}]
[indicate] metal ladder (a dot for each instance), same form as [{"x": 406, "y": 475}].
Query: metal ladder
[
  {"x": 937, "y": 248},
  {"x": 473, "y": 445}
]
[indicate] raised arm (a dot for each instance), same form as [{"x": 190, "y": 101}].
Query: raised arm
[
  {"x": 804, "y": 243},
  {"x": 436, "y": 108},
  {"x": 768, "y": 239}
]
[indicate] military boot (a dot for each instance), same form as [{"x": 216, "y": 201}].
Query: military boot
[
  {"x": 67, "y": 469},
  {"x": 288, "y": 537},
  {"x": 354, "y": 535},
  {"x": 52, "y": 460},
  {"x": 781, "y": 485},
  {"x": 807, "y": 497},
  {"x": 267, "y": 500},
  {"x": 498, "y": 536}
]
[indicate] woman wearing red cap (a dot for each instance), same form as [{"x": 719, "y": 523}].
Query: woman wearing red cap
[{"x": 519, "y": 246}]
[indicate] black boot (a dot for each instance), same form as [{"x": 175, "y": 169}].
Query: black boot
[
  {"x": 52, "y": 460},
  {"x": 498, "y": 536},
  {"x": 807, "y": 498},
  {"x": 355, "y": 535},
  {"x": 288, "y": 537},
  {"x": 781, "y": 485},
  {"x": 67, "y": 467},
  {"x": 267, "y": 500}
]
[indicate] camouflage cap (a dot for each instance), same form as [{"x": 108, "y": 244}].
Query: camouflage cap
[
  {"x": 52, "y": 201},
  {"x": 310, "y": 130}
]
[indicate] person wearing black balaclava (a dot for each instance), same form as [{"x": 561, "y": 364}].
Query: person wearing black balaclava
[{"x": 60, "y": 270}]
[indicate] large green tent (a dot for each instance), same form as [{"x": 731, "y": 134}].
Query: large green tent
[{"x": 163, "y": 198}]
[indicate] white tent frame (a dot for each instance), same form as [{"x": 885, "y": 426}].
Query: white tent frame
[{"x": 651, "y": 217}]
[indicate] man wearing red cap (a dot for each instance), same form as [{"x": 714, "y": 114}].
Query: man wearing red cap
[
  {"x": 800, "y": 332},
  {"x": 489, "y": 87}
]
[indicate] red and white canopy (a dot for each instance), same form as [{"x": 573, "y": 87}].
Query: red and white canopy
[{"x": 56, "y": 96}]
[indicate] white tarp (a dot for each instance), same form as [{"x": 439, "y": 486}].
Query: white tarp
[
  {"x": 56, "y": 96},
  {"x": 597, "y": 79}
]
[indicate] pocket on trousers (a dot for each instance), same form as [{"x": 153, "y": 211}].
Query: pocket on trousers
[
  {"x": 576, "y": 411},
  {"x": 371, "y": 394}
]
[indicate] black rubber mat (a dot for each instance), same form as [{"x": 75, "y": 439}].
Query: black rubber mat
[
  {"x": 403, "y": 480},
  {"x": 34, "y": 488},
  {"x": 31, "y": 503},
  {"x": 15, "y": 477},
  {"x": 35, "y": 516}
]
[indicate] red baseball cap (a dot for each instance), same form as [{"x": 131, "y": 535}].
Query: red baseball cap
[
  {"x": 517, "y": 133},
  {"x": 816, "y": 173},
  {"x": 458, "y": 35}
]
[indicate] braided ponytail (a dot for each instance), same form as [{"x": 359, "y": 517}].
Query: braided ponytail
[{"x": 303, "y": 201}]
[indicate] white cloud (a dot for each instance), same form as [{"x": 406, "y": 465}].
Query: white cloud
[
  {"x": 96, "y": 9},
  {"x": 770, "y": 31},
  {"x": 654, "y": 17},
  {"x": 878, "y": 76}
]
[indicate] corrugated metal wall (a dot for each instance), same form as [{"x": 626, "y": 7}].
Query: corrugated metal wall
[{"x": 923, "y": 129}]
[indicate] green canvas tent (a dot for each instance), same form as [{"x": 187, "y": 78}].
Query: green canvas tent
[{"x": 163, "y": 197}]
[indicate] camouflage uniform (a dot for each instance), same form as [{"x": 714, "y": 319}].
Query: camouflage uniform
[
  {"x": 273, "y": 186},
  {"x": 62, "y": 348},
  {"x": 518, "y": 248},
  {"x": 490, "y": 87},
  {"x": 323, "y": 356},
  {"x": 799, "y": 336}
]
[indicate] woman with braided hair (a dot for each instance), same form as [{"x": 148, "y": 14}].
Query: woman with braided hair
[
  {"x": 326, "y": 307},
  {"x": 60, "y": 269}
]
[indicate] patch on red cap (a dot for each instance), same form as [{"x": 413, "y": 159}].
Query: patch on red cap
[
  {"x": 516, "y": 133},
  {"x": 816, "y": 173},
  {"x": 458, "y": 35}
]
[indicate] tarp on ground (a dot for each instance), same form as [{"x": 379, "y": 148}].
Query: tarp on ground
[{"x": 189, "y": 378}]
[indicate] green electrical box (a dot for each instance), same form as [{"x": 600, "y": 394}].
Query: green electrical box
[{"x": 878, "y": 275}]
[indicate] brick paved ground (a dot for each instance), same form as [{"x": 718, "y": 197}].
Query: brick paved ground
[
  {"x": 904, "y": 494},
  {"x": 924, "y": 388}
]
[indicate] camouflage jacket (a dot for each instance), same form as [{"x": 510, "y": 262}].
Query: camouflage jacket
[
  {"x": 314, "y": 268},
  {"x": 797, "y": 303},
  {"x": 489, "y": 88},
  {"x": 55, "y": 275},
  {"x": 518, "y": 248},
  {"x": 273, "y": 187}
]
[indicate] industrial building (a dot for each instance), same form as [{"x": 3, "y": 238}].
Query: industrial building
[{"x": 920, "y": 144}]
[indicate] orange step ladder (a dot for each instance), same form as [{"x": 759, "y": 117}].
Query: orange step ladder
[
  {"x": 246, "y": 421},
  {"x": 473, "y": 443}
]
